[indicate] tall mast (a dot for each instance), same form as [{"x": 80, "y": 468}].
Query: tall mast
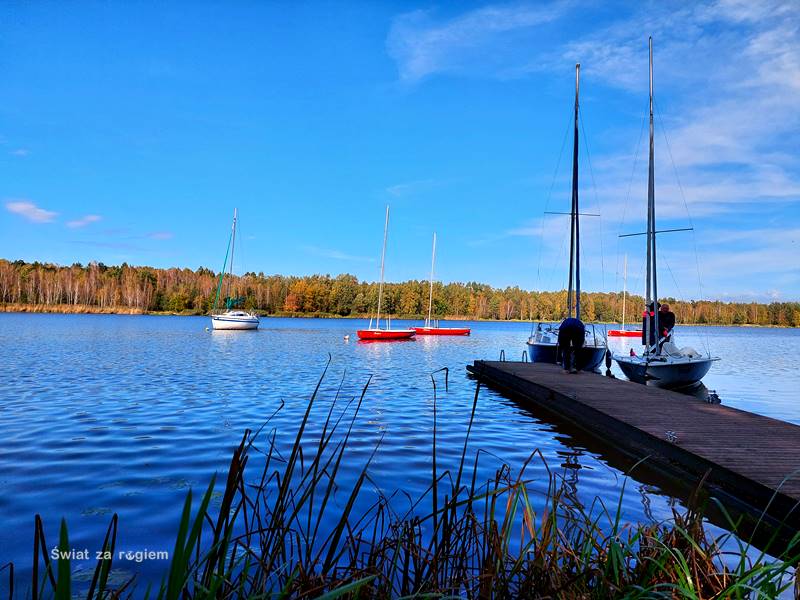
[
  {"x": 574, "y": 241},
  {"x": 624, "y": 289},
  {"x": 430, "y": 293},
  {"x": 383, "y": 257},
  {"x": 222, "y": 272},
  {"x": 233, "y": 247},
  {"x": 651, "y": 223}
]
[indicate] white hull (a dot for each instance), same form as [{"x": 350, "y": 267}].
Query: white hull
[
  {"x": 665, "y": 371},
  {"x": 234, "y": 321}
]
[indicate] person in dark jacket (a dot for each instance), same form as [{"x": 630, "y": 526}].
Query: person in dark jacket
[
  {"x": 666, "y": 322},
  {"x": 571, "y": 335}
]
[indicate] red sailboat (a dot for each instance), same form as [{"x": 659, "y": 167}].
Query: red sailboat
[
  {"x": 430, "y": 328},
  {"x": 624, "y": 332},
  {"x": 376, "y": 333}
]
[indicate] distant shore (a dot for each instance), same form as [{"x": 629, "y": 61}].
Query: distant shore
[{"x": 81, "y": 309}]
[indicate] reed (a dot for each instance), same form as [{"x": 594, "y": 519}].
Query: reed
[{"x": 289, "y": 531}]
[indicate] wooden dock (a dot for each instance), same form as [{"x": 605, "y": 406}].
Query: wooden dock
[{"x": 747, "y": 459}]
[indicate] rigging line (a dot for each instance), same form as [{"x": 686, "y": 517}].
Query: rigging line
[
  {"x": 628, "y": 196},
  {"x": 239, "y": 282},
  {"x": 222, "y": 273},
  {"x": 561, "y": 255},
  {"x": 596, "y": 201},
  {"x": 704, "y": 338},
  {"x": 671, "y": 274},
  {"x": 547, "y": 201},
  {"x": 686, "y": 206}
]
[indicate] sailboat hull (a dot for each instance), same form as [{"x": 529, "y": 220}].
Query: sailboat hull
[
  {"x": 624, "y": 333},
  {"x": 385, "y": 335},
  {"x": 234, "y": 321},
  {"x": 588, "y": 358},
  {"x": 666, "y": 373},
  {"x": 442, "y": 330}
]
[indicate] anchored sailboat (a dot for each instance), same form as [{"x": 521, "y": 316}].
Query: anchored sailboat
[
  {"x": 376, "y": 333},
  {"x": 624, "y": 332},
  {"x": 232, "y": 318},
  {"x": 662, "y": 364},
  {"x": 430, "y": 327},
  {"x": 543, "y": 343}
]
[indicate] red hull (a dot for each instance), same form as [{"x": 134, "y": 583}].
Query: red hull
[
  {"x": 442, "y": 330},
  {"x": 385, "y": 334},
  {"x": 624, "y": 333}
]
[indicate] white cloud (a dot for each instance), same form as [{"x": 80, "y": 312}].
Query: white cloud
[
  {"x": 729, "y": 74},
  {"x": 84, "y": 221},
  {"x": 20, "y": 152},
  {"x": 423, "y": 46},
  {"x": 409, "y": 188},
  {"x": 161, "y": 235},
  {"x": 30, "y": 211}
]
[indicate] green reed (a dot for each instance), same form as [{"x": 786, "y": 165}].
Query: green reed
[{"x": 280, "y": 534}]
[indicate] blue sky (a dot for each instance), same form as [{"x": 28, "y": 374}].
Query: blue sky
[{"x": 128, "y": 132}]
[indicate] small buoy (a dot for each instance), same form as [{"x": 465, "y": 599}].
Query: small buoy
[
  {"x": 347, "y": 338},
  {"x": 207, "y": 329}
]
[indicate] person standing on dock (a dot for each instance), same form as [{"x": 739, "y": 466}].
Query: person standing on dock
[{"x": 571, "y": 334}]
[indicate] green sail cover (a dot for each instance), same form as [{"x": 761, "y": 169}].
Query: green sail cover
[{"x": 233, "y": 302}]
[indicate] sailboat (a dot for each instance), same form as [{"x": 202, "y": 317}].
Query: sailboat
[
  {"x": 232, "y": 318},
  {"x": 431, "y": 328},
  {"x": 376, "y": 333},
  {"x": 543, "y": 343},
  {"x": 662, "y": 363},
  {"x": 624, "y": 332}
]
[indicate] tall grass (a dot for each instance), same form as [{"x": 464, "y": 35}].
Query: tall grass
[{"x": 284, "y": 529}]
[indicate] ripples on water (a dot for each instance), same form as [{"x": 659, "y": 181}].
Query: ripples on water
[{"x": 107, "y": 413}]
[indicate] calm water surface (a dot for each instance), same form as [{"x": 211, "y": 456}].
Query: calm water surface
[{"x": 106, "y": 413}]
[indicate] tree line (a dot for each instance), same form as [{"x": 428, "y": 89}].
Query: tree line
[{"x": 99, "y": 287}]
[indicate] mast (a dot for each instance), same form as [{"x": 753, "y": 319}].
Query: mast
[
  {"x": 574, "y": 242},
  {"x": 624, "y": 289},
  {"x": 651, "y": 224},
  {"x": 430, "y": 294},
  {"x": 222, "y": 272},
  {"x": 383, "y": 257},
  {"x": 233, "y": 247}
]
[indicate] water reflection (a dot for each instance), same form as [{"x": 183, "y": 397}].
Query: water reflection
[{"x": 131, "y": 411}]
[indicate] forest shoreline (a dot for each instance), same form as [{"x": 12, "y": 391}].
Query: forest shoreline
[
  {"x": 70, "y": 309},
  {"x": 146, "y": 290}
]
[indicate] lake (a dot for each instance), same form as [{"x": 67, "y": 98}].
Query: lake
[{"x": 109, "y": 413}]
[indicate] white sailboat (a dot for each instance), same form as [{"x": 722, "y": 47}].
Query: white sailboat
[
  {"x": 232, "y": 318},
  {"x": 662, "y": 363}
]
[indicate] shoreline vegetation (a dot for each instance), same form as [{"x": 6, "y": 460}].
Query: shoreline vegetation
[
  {"x": 125, "y": 289},
  {"x": 283, "y": 526},
  {"x": 87, "y": 309}
]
